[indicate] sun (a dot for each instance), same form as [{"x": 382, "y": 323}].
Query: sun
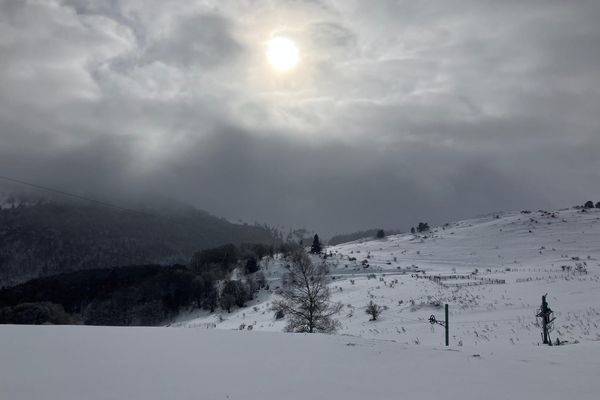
[{"x": 282, "y": 53}]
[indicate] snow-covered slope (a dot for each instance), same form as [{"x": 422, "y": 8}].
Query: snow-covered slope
[
  {"x": 98, "y": 363},
  {"x": 494, "y": 351},
  {"x": 517, "y": 258}
]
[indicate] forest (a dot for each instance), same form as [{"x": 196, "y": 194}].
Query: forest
[
  {"x": 51, "y": 238},
  {"x": 140, "y": 295}
]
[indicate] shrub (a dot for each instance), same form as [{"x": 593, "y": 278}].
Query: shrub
[
  {"x": 252, "y": 265},
  {"x": 226, "y": 301},
  {"x": 234, "y": 293},
  {"x": 374, "y": 310},
  {"x": 279, "y": 314},
  {"x": 422, "y": 227}
]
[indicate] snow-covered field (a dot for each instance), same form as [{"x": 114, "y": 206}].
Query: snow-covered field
[
  {"x": 96, "y": 363},
  {"x": 556, "y": 253},
  {"x": 494, "y": 352}
]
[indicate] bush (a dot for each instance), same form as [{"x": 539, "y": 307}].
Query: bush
[
  {"x": 598, "y": 204},
  {"x": 279, "y": 314},
  {"x": 226, "y": 301},
  {"x": 252, "y": 265},
  {"x": 234, "y": 293},
  {"x": 589, "y": 204},
  {"x": 422, "y": 227},
  {"x": 380, "y": 234},
  {"x": 374, "y": 310}
]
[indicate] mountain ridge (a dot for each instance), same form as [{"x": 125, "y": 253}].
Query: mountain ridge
[{"x": 49, "y": 238}]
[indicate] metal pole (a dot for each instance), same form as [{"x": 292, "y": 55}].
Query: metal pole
[
  {"x": 447, "y": 327},
  {"x": 545, "y": 319}
]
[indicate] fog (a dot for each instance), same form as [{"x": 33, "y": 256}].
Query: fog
[{"x": 399, "y": 111}]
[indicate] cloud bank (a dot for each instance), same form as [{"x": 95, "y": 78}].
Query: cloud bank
[{"x": 399, "y": 111}]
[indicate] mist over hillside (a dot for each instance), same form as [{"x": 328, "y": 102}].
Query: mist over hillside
[
  {"x": 49, "y": 238},
  {"x": 364, "y": 234}
]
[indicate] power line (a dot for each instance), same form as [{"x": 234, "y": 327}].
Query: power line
[{"x": 76, "y": 196}]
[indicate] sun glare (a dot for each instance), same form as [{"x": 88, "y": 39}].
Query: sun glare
[{"x": 282, "y": 53}]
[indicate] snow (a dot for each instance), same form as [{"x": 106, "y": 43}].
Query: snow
[
  {"x": 102, "y": 363},
  {"x": 495, "y": 350},
  {"x": 526, "y": 251}
]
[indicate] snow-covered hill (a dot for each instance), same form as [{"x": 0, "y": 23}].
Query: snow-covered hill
[
  {"x": 492, "y": 272},
  {"x": 494, "y": 351}
]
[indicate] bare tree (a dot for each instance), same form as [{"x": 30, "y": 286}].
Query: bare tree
[
  {"x": 305, "y": 299},
  {"x": 374, "y": 310}
]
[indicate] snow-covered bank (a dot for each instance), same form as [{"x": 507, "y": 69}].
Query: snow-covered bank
[
  {"x": 102, "y": 363},
  {"x": 531, "y": 253}
]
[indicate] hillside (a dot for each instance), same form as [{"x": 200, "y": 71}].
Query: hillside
[
  {"x": 358, "y": 235},
  {"x": 492, "y": 271},
  {"x": 51, "y": 238}
]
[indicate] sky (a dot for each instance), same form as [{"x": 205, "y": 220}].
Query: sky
[{"x": 397, "y": 111}]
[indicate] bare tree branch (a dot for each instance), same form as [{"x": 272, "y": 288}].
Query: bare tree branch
[{"x": 305, "y": 299}]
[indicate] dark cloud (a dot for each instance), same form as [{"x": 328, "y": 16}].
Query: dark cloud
[
  {"x": 401, "y": 111},
  {"x": 202, "y": 39}
]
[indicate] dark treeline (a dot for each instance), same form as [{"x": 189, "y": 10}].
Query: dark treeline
[
  {"x": 51, "y": 238},
  {"x": 139, "y": 295}
]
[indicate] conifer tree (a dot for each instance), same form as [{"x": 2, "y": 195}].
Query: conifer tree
[{"x": 316, "y": 245}]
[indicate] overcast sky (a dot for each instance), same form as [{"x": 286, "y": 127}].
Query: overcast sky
[{"x": 398, "y": 111}]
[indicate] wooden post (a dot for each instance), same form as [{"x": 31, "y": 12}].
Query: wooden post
[
  {"x": 447, "y": 327},
  {"x": 545, "y": 319},
  {"x": 546, "y": 314}
]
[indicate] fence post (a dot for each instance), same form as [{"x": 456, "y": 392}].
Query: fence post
[{"x": 447, "y": 327}]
